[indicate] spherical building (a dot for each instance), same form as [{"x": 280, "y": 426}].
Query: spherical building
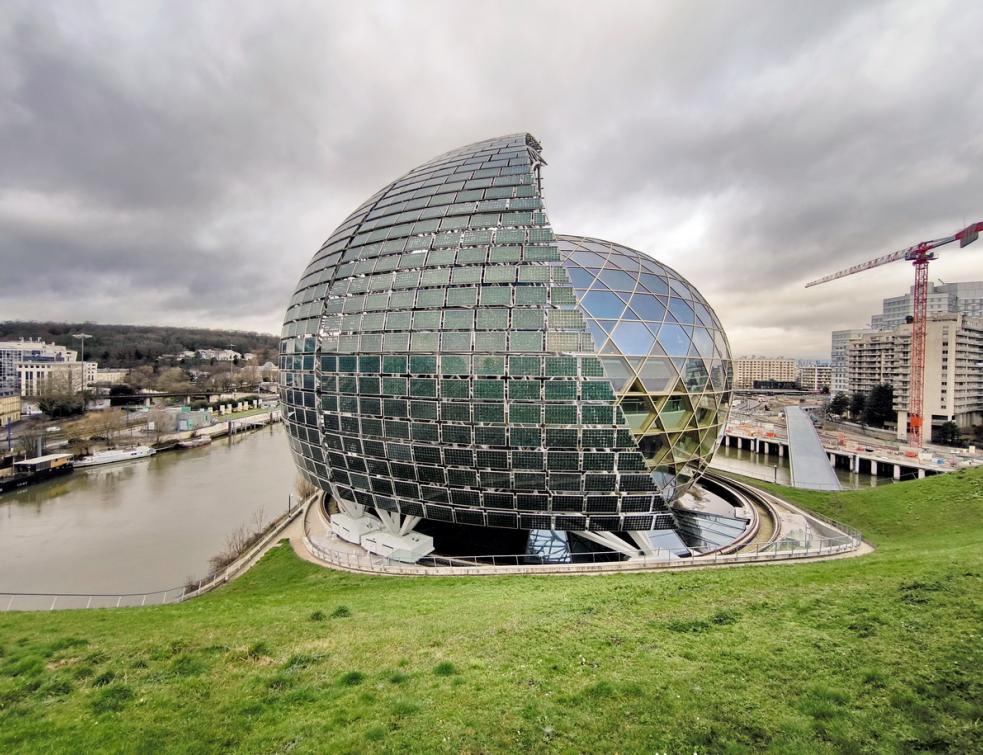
[
  {"x": 663, "y": 349},
  {"x": 447, "y": 358}
]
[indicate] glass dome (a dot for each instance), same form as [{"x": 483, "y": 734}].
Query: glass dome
[
  {"x": 446, "y": 357},
  {"x": 663, "y": 349}
]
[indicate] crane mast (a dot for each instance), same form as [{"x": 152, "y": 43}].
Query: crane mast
[{"x": 919, "y": 255}]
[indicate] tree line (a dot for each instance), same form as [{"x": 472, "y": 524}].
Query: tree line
[
  {"x": 876, "y": 407},
  {"x": 136, "y": 345}
]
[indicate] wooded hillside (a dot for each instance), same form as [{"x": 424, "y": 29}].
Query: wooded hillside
[{"x": 135, "y": 345}]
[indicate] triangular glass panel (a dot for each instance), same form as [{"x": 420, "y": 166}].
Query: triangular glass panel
[
  {"x": 681, "y": 310},
  {"x": 633, "y": 338},
  {"x": 616, "y": 370},
  {"x": 639, "y": 412},
  {"x": 658, "y": 374},
  {"x": 656, "y": 284}
]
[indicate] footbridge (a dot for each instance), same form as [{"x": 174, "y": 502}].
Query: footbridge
[{"x": 808, "y": 460}]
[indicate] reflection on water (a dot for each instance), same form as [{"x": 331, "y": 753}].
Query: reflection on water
[
  {"x": 141, "y": 525},
  {"x": 776, "y": 469}
]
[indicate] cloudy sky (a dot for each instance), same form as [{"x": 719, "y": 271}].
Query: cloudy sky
[{"x": 179, "y": 162}]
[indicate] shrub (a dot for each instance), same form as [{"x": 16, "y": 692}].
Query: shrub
[
  {"x": 352, "y": 678},
  {"x": 341, "y": 612}
]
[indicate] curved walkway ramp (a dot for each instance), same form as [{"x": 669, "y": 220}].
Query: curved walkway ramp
[
  {"x": 312, "y": 540},
  {"x": 809, "y": 463}
]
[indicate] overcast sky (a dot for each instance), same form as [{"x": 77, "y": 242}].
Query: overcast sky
[{"x": 179, "y": 162}]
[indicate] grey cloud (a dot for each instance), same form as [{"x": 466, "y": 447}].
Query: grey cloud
[{"x": 194, "y": 155}]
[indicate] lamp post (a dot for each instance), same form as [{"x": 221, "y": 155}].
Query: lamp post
[{"x": 81, "y": 337}]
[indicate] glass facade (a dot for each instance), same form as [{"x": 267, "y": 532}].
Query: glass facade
[
  {"x": 664, "y": 351},
  {"x": 436, "y": 360}
]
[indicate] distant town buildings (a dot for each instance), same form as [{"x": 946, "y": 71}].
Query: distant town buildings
[
  {"x": 34, "y": 377},
  {"x": 864, "y": 357},
  {"x": 9, "y": 408},
  {"x": 953, "y": 389},
  {"x": 764, "y": 372},
  {"x": 110, "y": 376},
  {"x": 839, "y": 382},
  {"x": 965, "y": 298},
  {"x": 28, "y": 352},
  {"x": 815, "y": 377},
  {"x": 219, "y": 355}
]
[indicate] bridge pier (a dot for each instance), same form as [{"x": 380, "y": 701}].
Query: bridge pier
[
  {"x": 921, "y": 473},
  {"x": 727, "y": 441},
  {"x": 897, "y": 471},
  {"x": 781, "y": 450},
  {"x": 873, "y": 468}
]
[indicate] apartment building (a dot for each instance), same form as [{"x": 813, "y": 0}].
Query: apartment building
[
  {"x": 953, "y": 379},
  {"x": 756, "y": 369},
  {"x": 815, "y": 377},
  {"x": 839, "y": 381}
]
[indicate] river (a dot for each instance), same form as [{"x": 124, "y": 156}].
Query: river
[
  {"x": 142, "y": 525},
  {"x": 776, "y": 468}
]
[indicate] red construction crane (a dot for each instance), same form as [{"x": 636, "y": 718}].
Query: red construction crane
[{"x": 919, "y": 255}]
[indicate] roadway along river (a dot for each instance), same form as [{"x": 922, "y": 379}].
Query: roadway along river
[{"x": 142, "y": 525}]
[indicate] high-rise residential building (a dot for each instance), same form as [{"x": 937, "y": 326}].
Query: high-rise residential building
[
  {"x": 815, "y": 377},
  {"x": 839, "y": 382},
  {"x": 752, "y": 370},
  {"x": 953, "y": 380},
  {"x": 12, "y": 353},
  {"x": 965, "y": 298}
]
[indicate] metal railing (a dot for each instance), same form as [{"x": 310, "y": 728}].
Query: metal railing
[
  {"x": 42, "y": 601},
  {"x": 593, "y": 561}
]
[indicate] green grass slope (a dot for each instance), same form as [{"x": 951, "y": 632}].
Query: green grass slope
[{"x": 876, "y": 654}]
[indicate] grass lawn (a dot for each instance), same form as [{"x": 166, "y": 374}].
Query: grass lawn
[{"x": 880, "y": 654}]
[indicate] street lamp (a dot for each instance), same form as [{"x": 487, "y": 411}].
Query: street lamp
[{"x": 81, "y": 337}]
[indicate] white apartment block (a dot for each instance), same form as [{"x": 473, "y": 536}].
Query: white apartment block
[
  {"x": 839, "y": 383},
  {"x": 953, "y": 380},
  {"x": 747, "y": 370},
  {"x": 815, "y": 377}
]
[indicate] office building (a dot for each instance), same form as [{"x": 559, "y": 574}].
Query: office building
[{"x": 13, "y": 353}]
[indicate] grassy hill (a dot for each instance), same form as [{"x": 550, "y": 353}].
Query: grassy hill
[{"x": 880, "y": 654}]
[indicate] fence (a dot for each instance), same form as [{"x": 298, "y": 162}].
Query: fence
[{"x": 593, "y": 561}]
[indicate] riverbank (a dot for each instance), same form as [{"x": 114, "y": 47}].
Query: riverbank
[
  {"x": 142, "y": 525},
  {"x": 819, "y": 657}
]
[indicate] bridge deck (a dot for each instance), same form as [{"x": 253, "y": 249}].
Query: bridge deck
[{"x": 810, "y": 464}]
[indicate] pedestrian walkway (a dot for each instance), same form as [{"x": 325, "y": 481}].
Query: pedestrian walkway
[{"x": 810, "y": 464}]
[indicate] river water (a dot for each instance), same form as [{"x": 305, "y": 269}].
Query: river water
[
  {"x": 143, "y": 525},
  {"x": 776, "y": 468}
]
